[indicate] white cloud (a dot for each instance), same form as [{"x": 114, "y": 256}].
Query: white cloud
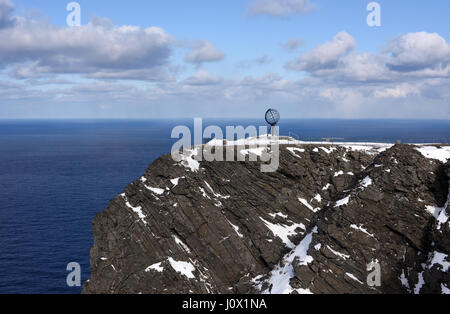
[
  {"x": 204, "y": 51},
  {"x": 325, "y": 56},
  {"x": 280, "y": 8},
  {"x": 418, "y": 51},
  {"x": 293, "y": 44},
  {"x": 6, "y": 8},
  {"x": 202, "y": 78},
  {"x": 400, "y": 91},
  {"x": 412, "y": 56},
  {"x": 337, "y": 81},
  {"x": 98, "y": 49},
  {"x": 245, "y": 64}
]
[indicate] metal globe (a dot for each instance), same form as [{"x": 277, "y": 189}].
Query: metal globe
[{"x": 272, "y": 117}]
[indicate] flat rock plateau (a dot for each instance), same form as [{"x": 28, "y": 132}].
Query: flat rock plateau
[{"x": 326, "y": 221}]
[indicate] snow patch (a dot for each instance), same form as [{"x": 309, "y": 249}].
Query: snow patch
[
  {"x": 440, "y": 258},
  {"x": 284, "y": 232},
  {"x": 217, "y": 195},
  {"x": 404, "y": 281},
  {"x": 254, "y": 151},
  {"x": 176, "y": 181},
  {"x": 419, "y": 284},
  {"x": 360, "y": 228},
  {"x": 351, "y": 276},
  {"x": 181, "y": 244},
  {"x": 137, "y": 210},
  {"x": 305, "y": 202},
  {"x": 188, "y": 159},
  {"x": 156, "y": 267},
  {"x": 339, "y": 173},
  {"x": 281, "y": 276},
  {"x": 157, "y": 191},
  {"x": 328, "y": 151},
  {"x": 278, "y": 215},
  {"x": 341, "y": 255},
  {"x": 366, "y": 182},
  {"x": 318, "y": 198},
  {"x": 440, "y": 213},
  {"x": 445, "y": 290},
  {"x": 294, "y": 149},
  {"x": 184, "y": 268},
  {"x": 432, "y": 152},
  {"x": 342, "y": 202},
  {"x": 236, "y": 229}
]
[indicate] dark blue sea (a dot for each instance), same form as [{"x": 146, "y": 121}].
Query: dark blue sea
[{"x": 56, "y": 175}]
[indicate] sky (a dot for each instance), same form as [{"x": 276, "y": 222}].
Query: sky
[{"x": 224, "y": 59}]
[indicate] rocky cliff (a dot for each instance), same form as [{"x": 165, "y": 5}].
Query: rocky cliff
[{"x": 326, "y": 221}]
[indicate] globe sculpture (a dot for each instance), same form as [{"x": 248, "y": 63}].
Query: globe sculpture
[{"x": 272, "y": 118}]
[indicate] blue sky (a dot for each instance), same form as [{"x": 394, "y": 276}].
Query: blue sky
[{"x": 225, "y": 59}]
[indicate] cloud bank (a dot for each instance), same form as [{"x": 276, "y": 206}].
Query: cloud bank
[
  {"x": 103, "y": 70},
  {"x": 280, "y": 8}
]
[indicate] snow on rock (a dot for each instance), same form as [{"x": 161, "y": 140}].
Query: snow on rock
[
  {"x": 360, "y": 228},
  {"x": 440, "y": 259},
  {"x": 188, "y": 159},
  {"x": 181, "y": 244},
  {"x": 236, "y": 229},
  {"x": 342, "y": 202},
  {"x": 328, "y": 151},
  {"x": 440, "y": 213},
  {"x": 137, "y": 210},
  {"x": 339, "y": 173},
  {"x": 341, "y": 255},
  {"x": 184, "y": 268},
  {"x": 254, "y": 151},
  {"x": 440, "y": 153},
  {"x": 262, "y": 140},
  {"x": 351, "y": 276},
  {"x": 368, "y": 148},
  {"x": 305, "y": 202},
  {"x": 176, "y": 181},
  {"x": 157, "y": 191},
  {"x": 327, "y": 187},
  {"x": 216, "y": 195},
  {"x": 445, "y": 290},
  {"x": 419, "y": 284},
  {"x": 284, "y": 232},
  {"x": 156, "y": 267},
  {"x": 294, "y": 149},
  {"x": 318, "y": 198},
  {"x": 404, "y": 281},
  {"x": 282, "y": 274},
  {"x": 366, "y": 182},
  {"x": 278, "y": 215}
]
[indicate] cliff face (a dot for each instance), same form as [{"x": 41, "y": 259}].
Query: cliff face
[{"x": 313, "y": 226}]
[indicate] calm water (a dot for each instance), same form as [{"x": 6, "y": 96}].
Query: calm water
[{"x": 56, "y": 175}]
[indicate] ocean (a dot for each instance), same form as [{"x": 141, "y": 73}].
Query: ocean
[{"x": 55, "y": 176}]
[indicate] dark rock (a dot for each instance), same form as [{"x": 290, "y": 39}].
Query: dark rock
[{"x": 178, "y": 230}]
